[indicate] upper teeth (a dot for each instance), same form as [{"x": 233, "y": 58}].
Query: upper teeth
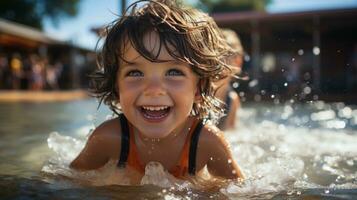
[{"x": 155, "y": 108}]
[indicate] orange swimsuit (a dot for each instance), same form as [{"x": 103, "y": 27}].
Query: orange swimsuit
[{"x": 187, "y": 160}]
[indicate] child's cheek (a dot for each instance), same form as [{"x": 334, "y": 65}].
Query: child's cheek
[
  {"x": 131, "y": 84},
  {"x": 180, "y": 85}
]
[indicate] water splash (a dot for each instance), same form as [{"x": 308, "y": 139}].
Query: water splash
[{"x": 284, "y": 148}]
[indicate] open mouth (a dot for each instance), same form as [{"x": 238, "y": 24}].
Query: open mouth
[{"x": 155, "y": 113}]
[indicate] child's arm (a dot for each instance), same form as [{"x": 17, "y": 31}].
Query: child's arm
[
  {"x": 218, "y": 154},
  {"x": 103, "y": 144}
]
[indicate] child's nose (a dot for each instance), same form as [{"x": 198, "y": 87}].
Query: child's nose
[{"x": 154, "y": 87}]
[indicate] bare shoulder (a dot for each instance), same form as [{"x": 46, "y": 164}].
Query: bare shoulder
[
  {"x": 108, "y": 135},
  {"x": 109, "y": 128},
  {"x": 214, "y": 151},
  {"x": 102, "y": 145},
  {"x": 212, "y": 138}
]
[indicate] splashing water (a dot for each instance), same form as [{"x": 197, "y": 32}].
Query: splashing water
[{"x": 284, "y": 150}]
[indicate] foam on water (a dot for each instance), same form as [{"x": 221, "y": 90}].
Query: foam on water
[{"x": 279, "y": 148}]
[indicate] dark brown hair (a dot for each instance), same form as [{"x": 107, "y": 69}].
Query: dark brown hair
[{"x": 188, "y": 35}]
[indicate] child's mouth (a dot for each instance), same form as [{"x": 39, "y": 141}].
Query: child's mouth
[{"x": 155, "y": 113}]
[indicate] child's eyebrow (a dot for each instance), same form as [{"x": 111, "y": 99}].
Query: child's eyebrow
[
  {"x": 176, "y": 62},
  {"x": 126, "y": 64}
]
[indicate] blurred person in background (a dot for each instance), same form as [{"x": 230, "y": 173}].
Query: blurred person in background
[
  {"x": 16, "y": 71},
  {"x": 37, "y": 74},
  {"x": 4, "y": 65},
  {"x": 225, "y": 91}
]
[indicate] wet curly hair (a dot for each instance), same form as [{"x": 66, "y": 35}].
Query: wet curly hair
[{"x": 189, "y": 35}]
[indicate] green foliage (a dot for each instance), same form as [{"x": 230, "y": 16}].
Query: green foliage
[
  {"x": 32, "y": 12},
  {"x": 215, "y": 6}
]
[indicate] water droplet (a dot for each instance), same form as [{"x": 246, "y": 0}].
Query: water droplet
[
  {"x": 229, "y": 161},
  {"x": 300, "y": 52},
  {"x": 272, "y": 96},
  {"x": 307, "y": 90},
  {"x": 316, "y": 50},
  {"x": 327, "y": 191},
  {"x": 305, "y": 176},
  {"x": 293, "y": 59},
  {"x": 315, "y": 97},
  {"x": 272, "y": 148},
  {"x": 164, "y": 191},
  {"x": 253, "y": 83},
  {"x": 235, "y": 85},
  {"x": 234, "y": 171},
  {"x": 285, "y": 84},
  {"x": 211, "y": 158},
  {"x": 246, "y": 58}
]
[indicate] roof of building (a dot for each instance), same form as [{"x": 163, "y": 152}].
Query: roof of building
[
  {"x": 265, "y": 16},
  {"x": 26, "y": 32}
]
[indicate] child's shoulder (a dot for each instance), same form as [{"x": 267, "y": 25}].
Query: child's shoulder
[
  {"x": 110, "y": 127},
  {"x": 214, "y": 152},
  {"x": 211, "y": 140},
  {"x": 103, "y": 145},
  {"x": 211, "y": 135},
  {"x": 108, "y": 134}
]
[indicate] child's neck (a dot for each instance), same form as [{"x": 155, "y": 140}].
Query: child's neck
[
  {"x": 178, "y": 134},
  {"x": 166, "y": 151}
]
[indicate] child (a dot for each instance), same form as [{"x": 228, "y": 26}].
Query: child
[
  {"x": 225, "y": 91},
  {"x": 157, "y": 66}
]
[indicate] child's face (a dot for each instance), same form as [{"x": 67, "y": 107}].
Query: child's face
[{"x": 157, "y": 98}]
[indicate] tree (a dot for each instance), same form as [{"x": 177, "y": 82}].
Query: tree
[
  {"x": 32, "y": 12},
  {"x": 215, "y": 6}
]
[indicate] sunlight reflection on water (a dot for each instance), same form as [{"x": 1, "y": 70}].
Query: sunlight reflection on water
[{"x": 287, "y": 149}]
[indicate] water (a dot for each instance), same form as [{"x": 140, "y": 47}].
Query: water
[{"x": 287, "y": 151}]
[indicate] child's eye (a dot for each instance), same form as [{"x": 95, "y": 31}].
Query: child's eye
[
  {"x": 134, "y": 73},
  {"x": 174, "y": 72}
]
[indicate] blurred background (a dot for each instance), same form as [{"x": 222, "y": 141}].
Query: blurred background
[
  {"x": 294, "y": 49},
  {"x": 296, "y": 134}
]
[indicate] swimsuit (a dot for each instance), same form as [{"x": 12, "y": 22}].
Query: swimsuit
[{"x": 187, "y": 160}]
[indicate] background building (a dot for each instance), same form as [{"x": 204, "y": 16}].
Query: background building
[
  {"x": 30, "y": 59},
  {"x": 305, "y": 55}
]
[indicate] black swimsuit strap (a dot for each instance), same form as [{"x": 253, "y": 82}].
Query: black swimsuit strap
[
  {"x": 193, "y": 148},
  {"x": 125, "y": 144}
]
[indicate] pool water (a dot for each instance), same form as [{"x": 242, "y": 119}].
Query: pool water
[{"x": 287, "y": 151}]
